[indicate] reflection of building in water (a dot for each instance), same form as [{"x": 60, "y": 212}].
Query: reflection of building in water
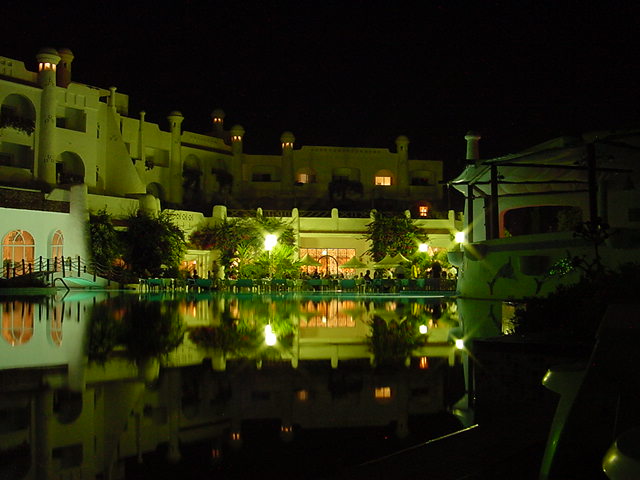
[
  {"x": 328, "y": 313},
  {"x": 64, "y": 417}
]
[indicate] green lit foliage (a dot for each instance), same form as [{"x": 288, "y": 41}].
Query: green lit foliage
[
  {"x": 244, "y": 336},
  {"x": 152, "y": 329},
  {"x": 145, "y": 330},
  {"x": 230, "y": 338},
  {"x": 25, "y": 125},
  {"x": 104, "y": 333},
  {"x": 391, "y": 342},
  {"x": 103, "y": 240},
  {"x": 153, "y": 245},
  {"x": 393, "y": 234},
  {"x": 241, "y": 245}
]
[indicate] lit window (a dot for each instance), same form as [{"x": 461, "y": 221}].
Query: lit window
[
  {"x": 302, "y": 395},
  {"x": 236, "y": 138},
  {"x": 18, "y": 248},
  {"x": 382, "y": 392},
  {"x": 423, "y": 210},
  {"x": 383, "y": 180},
  {"x": 306, "y": 178},
  {"x": 424, "y": 363}
]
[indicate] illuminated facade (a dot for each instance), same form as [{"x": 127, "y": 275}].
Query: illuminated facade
[
  {"x": 67, "y": 148},
  {"x": 58, "y": 132}
]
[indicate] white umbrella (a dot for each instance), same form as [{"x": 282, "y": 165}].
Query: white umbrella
[
  {"x": 308, "y": 261},
  {"x": 387, "y": 262},
  {"x": 353, "y": 262},
  {"x": 399, "y": 258}
]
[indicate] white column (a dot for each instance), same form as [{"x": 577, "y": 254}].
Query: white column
[{"x": 47, "y": 59}]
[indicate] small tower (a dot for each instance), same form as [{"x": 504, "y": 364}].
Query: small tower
[
  {"x": 63, "y": 74},
  {"x": 286, "y": 182},
  {"x": 217, "y": 119},
  {"x": 473, "y": 151},
  {"x": 48, "y": 59},
  {"x": 175, "y": 161},
  {"x": 237, "y": 134}
]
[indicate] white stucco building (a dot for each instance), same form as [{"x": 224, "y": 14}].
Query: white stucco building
[{"x": 68, "y": 148}]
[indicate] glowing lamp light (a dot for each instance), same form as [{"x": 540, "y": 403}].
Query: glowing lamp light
[
  {"x": 270, "y": 242},
  {"x": 423, "y": 247},
  {"x": 423, "y": 329},
  {"x": 459, "y": 344},
  {"x": 269, "y": 337},
  {"x": 460, "y": 237}
]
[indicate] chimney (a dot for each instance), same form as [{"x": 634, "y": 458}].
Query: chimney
[
  {"x": 63, "y": 74},
  {"x": 473, "y": 152}
]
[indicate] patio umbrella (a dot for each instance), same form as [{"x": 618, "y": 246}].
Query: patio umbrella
[
  {"x": 353, "y": 262},
  {"x": 387, "y": 262},
  {"x": 399, "y": 258},
  {"x": 307, "y": 261}
]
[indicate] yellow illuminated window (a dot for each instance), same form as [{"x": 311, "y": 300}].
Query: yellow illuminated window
[
  {"x": 424, "y": 363},
  {"x": 423, "y": 210},
  {"x": 383, "y": 180},
  {"x": 306, "y": 178},
  {"x": 383, "y": 392},
  {"x": 302, "y": 395}
]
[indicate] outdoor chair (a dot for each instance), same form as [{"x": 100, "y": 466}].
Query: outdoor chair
[{"x": 348, "y": 284}]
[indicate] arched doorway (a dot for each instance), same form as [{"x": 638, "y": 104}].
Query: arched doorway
[
  {"x": 70, "y": 168},
  {"x": 328, "y": 265},
  {"x": 57, "y": 244},
  {"x": 18, "y": 250}
]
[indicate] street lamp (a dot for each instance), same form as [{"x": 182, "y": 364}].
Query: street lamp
[{"x": 269, "y": 242}]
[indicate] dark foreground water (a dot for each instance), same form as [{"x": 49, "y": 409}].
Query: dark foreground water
[{"x": 122, "y": 385}]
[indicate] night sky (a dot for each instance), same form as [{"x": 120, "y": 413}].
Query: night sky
[{"x": 356, "y": 73}]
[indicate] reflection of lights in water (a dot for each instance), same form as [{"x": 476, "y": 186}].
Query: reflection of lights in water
[
  {"x": 269, "y": 337},
  {"x": 331, "y": 314}
]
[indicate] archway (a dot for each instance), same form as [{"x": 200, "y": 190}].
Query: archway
[
  {"x": 70, "y": 168},
  {"x": 17, "y": 112},
  {"x": 57, "y": 245},
  {"x": 18, "y": 249}
]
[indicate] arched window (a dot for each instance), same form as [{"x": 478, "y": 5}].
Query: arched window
[
  {"x": 17, "y": 322},
  {"x": 57, "y": 243},
  {"x": 17, "y": 247}
]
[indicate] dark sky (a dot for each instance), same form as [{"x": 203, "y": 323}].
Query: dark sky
[{"x": 356, "y": 73}]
